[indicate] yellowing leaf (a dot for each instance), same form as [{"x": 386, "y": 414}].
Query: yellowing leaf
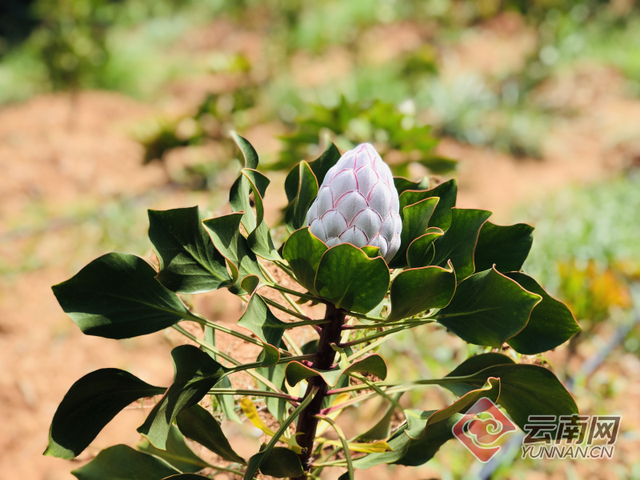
[
  {"x": 251, "y": 412},
  {"x": 322, "y": 426},
  {"x": 378, "y": 446}
]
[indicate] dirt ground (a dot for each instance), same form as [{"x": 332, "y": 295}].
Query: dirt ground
[{"x": 58, "y": 153}]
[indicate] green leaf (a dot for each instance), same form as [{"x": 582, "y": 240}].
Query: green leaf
[
  {"x": 296, "y": 212},
  {"x": 320, "y": 167},
  {"x": 447, "y": 192},
  {"x": 177, "y": 454},
  {"x": 420, "y": 451},
  {"x": 374, "y": 364},
  {"x": 488, "y": 308},
  {"x": 226, "y": 402},
  {"x": 256, "y": 460},
  {"x": 275, "y": 374},
  {"x": 199, "y": 425},
  {"x": 418, "y": 289},
  {"x": 121, "y": 462},
  {"x": 261, "y": 243},
  {"x": 259, "y": 237},
  {"x": 250, "y": 155},
  {"x": 416, "y": 427},
  {"x": 350, "y": 280},
  {"x": 259, "y": 320},
  {"x": 117, "y": 296},
  {"x": 415, "y": 219},
  {"x": 524, "y": 389},
  {"x": 551, "y": 322},
  {"x": 189, "y": 263},
  {"x": 91, "y": 403},
  {"x": 225, "y": 234},
  {"x": 402, "y": 184},
  {"x": 416, "y": 451},
  {"x": 303, "y": 252},
  {"x": 195, "y": 374},
  {"x": 506, "y": 247},
  {"x": 425, "y": 432},
  {"x": 420, "y": 252},
  {"x": 459, "y": 242},
  {"x": 281, "y": 463}
]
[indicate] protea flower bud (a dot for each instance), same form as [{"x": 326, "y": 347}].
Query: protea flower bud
[{"x": 358, "y": 203}]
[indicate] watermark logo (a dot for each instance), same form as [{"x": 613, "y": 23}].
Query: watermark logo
[
  {"x": 481, "y": 428},
  {"x": 570, "y": 436}
]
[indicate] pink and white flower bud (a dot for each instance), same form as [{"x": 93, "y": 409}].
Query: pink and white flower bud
[{"x": 358, "y": 203}]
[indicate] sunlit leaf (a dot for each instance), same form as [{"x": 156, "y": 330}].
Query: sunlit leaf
[
  {"x": 118, "y": 296},
  {"x": 195, "y": 374}
]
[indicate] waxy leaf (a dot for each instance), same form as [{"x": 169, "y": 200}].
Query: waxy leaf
[
  {"x": 275, "y": 374},
  {"x": 374, "y": 364},
  {"x": 296, "y": 212},
  {"x": 225, "y": 234},
  {"x": 303, "y": 252},
  {"x": 281, "y": 463},
  {"x": 189, "y": 263},
  {"x": 248, "y": 182},
  {"x": 551, "y": 322},
  {"x": 227, "y": 402},
  {"x": 351, "y": 280},
  {"x": 259, "y": 320},
  {"x": 415, "y": 290},
  {"x": 425, "y": 432},
  {"x": 416, "y": 452},
  {"x": 259, "y": 237},
  {"x": 459, "y": 241},
  {"x": 446, "y": 192},
  {"x": 415, "y": 219},
  {"x": 177, "y": 454},
  {"x": 403, "y": 184},
  {"x": 524, "y": 389},
  {"x": 319, "y": 167},
  {"x": 416, "y": 430},
  {"x": 506, "y": 247},
  {"x": 195, "y": 373},
  {"x": 251, "y": 159},
  {"x": 90, "y": 404},
  {"x": 199, "y": 425},
  {"x": 118, "y": 296},
  {"x": 488, "y": 308},
  {"x": 122, "y": 462},
  {"x": 421, "y": 251}
]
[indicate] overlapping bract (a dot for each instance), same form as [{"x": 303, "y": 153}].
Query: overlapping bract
[{"x": 358, "y": 204}]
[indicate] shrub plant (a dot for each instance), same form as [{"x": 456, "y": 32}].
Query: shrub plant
[{"x": 451, "y": 268}]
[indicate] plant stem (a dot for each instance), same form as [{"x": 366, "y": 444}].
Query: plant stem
[
  {"x": 308, "y": 422},
  {"x": 282, "y": 289},
  {"x": 285, "y": 309},
  {"x": 253, "y": 393}
]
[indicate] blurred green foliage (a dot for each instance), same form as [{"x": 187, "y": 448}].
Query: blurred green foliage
[
  {"x": 586, "y": 248},
  {"x": 349, "y": 124}
]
